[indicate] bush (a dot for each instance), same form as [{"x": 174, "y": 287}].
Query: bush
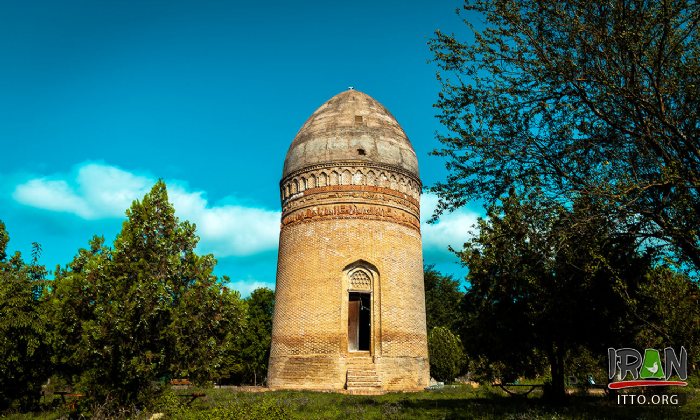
[{"x": 446, "y": 354}]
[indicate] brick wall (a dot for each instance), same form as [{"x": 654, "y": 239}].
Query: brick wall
[{"x": 309, "y": 338}]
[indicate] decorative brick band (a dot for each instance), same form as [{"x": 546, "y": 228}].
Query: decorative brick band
[
  {"x": 351, "y": 194},
  {"x": 351, "y": 164},
  {"x": 352, "y": 211},
  {"x": 349, "y": 174}
]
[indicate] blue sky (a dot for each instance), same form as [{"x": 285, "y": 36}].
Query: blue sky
[{"x": 100, "y": 99}]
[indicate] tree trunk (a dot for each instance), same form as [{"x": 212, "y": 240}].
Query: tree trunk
[{"x": 557, "y": 389}]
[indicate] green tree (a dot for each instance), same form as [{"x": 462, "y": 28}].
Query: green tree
[
  {"x": 146, "y": 310},
  {"x": 594, "y": 99},
  {"x": 446, "y": 354},
  {"x": 254, "y": 344},
  {"x": 442, "y": 300},
  {"x": 77, "y": 290},
  {"x": 24, "y": 349},
  {"x": 229, "y": 364},
  {"x": 668, "y": 312},
  {"x": 206, "y": 317},
  {"x": 546, "y": 282}
]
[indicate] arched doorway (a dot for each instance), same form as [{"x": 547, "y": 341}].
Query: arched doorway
[
  {"x": 359, "y": 321},
  {"x": 359, "y": 310}
]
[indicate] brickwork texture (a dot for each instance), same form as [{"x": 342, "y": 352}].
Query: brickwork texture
[{"x": 349, "y": 224}]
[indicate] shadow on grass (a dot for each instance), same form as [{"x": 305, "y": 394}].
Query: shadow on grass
[
  {"x": 467, "y": 403},
  {"x": 528, "y": 408}
]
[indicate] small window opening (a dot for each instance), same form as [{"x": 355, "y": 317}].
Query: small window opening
[
  {"x": 358, "y": 119},
  {"x": 361, "y": 152}
]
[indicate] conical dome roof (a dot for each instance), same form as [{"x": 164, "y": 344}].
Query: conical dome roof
[{"x": 351, "y": 126}]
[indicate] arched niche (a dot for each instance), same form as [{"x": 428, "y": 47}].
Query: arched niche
[{"x": 362, "y": 303}]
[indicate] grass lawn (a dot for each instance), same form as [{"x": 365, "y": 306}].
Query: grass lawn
[{"x": 448, "y": 403}]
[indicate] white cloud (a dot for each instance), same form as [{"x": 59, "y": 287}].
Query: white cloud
[
  {"x": 54, "y": 195},
  {"x": 110, "y": 190},
  {"x": 93, "y": 191},
  {"x": 452, "y": 229},
  {"x": 98, "y": 191},
  {"x": 246, "y": 287},
  {"x": 230, "y": 229}
]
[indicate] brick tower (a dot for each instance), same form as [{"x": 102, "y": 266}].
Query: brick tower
[{"x": 350, "y": 303}]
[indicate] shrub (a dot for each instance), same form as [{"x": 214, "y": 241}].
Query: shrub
[{"x": 446, "y": 354}]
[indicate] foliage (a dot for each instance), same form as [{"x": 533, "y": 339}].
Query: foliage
[
  {"x": 581, "y": 99},
  {"x": 668, "y": 308},
  {"x": 227, "y": 368},
  {"x": 208, "y": 317},
  {"x": 442, "y": 300},
  {"x": 77, "y": 291},
  {"x": 544, "y": 282},
  {"x": 584, "y": 366},
  {"x": 254, "y": 344},
  {"x": 446, "y": 354},
  {"x": 24, "y": 353},
  {"x": 129, "y": 318}
]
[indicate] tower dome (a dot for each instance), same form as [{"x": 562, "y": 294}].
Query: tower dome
[
  {"x": 351, "y": 126},
  {"x": 349, "y": 300}
]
